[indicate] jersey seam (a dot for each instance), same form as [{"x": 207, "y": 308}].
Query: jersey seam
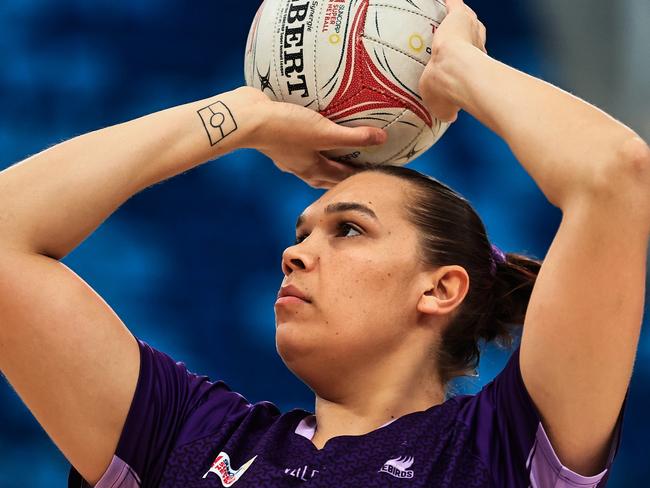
[{"x": 478, "y": 457}]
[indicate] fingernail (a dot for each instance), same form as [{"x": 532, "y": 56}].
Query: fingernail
[{"x": 380, "y": 138}]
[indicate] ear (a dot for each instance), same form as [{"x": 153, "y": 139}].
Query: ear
[{"x": 445, "y": 290}]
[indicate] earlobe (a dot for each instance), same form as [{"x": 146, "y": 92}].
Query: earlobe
[
  {"x": 448, "y": 287},
  {"x": 428, "y": 303}
]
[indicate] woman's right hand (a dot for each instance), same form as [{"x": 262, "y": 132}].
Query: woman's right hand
[
  {"x": 460, "y": 27},
  {"x": 294, "y": 137}
]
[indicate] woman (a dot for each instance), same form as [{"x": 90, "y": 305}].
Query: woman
[{"x": 376, "y": 334}]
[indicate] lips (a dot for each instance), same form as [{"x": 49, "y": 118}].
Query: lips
[{"x": 292, "y": 291}]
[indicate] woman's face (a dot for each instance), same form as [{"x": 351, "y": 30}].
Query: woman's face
[{"x": 357, "y": 262}]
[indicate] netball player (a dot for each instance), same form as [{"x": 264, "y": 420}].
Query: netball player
[{"x": 390, "y": 285}]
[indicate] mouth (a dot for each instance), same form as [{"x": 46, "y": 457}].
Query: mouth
[
  {"x": 290, "y": 300},
  {"x": 291, "y": 294}
]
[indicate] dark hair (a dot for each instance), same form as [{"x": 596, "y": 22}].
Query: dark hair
[{"x": 451, "y": 232}]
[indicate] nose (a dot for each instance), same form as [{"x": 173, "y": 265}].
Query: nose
[{"x": 297, "y": 258}]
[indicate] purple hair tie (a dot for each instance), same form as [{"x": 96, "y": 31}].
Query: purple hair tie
[{"x": 497, "y": 257}]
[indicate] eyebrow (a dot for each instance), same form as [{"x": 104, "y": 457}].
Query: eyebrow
[{"x": 342, "y": 207}]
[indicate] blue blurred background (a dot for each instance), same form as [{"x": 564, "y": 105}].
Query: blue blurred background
[{"x": 192, "y": 265}]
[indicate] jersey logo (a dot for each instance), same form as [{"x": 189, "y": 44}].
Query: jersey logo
[
  {"x": 303, "y": 473},
  {"x": 399, "y": 467},
  {"x": 222, "y": 468}
]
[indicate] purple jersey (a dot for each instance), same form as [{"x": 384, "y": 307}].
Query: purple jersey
[{"x": 185, "y": 431}]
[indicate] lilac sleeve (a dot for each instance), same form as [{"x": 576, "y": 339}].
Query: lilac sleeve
[
  {"x": 508, "y": 427},
  {"x": 169, "y": 407}
]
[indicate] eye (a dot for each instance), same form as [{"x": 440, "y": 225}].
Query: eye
[{"x": 345, "y": 227}]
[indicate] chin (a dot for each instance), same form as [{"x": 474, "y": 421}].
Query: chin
[
  {"x": 289, "y": 342},
  {"x": 295, "y": 345}
]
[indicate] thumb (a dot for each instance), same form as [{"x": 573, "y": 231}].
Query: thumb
[{"x": 340, "y": 136}]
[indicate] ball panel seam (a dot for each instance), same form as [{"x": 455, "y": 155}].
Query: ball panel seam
[
  {"x": 396, "y": 119},
  {"x": 344, "y": 101},
  {"x": 394, "y": 156},
  {"x": 393, "y": 48},
  {"x": 395, "y": 7},
  {"x": 321, "y": 13}
]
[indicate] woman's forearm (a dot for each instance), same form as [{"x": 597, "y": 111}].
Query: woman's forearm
[
  {"x": 52, "y": 201},
  {"x": 562, "y": 141}
]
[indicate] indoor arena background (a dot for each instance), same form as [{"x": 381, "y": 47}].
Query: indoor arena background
[{"x": 192, "y": 265}]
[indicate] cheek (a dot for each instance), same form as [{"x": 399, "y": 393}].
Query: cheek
[
  {"x": 368, "y": 293},
  {"x": 360, "y": 316},
  {"x": 373, "y": 282}
]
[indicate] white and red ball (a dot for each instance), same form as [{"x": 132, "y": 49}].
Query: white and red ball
[{"x": 357, "y": 62}]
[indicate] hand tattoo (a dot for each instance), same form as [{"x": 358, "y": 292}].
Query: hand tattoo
[{"x": 218, "y": 121}]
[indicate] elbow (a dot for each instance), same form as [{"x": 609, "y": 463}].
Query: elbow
[
  {"x": 635, "y": 158},
  {"x": 626, "y": 176}
]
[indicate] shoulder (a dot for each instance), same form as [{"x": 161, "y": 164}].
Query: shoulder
[
  {"x": 502, "y": 421},
  {"x": 175, "y": 412}
]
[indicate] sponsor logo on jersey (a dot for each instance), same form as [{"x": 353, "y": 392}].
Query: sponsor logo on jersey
[
  {"x": 305, "y": 473},
  {"x": 223, "y": 469},
  {"x": 399, "y": 467}
]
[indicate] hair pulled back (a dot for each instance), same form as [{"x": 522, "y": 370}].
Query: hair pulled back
[{"x": 452, "y": 233}]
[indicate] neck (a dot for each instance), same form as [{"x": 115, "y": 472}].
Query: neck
[{"x": 375, "y": 403}]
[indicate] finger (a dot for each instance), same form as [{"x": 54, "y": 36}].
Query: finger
[
  {"x": 332, "y": 171},
  {"x": 453, "y": 5},
  {"x": 482, "y": 35},
  {"x": 321, "y": 184},
  {"x": 344, "y": 169},
  {"x": 323, "y": 170},
  {"x": 449, "y": 117},
  {"x": 313, "y": 178},
  {"x": 336, "y": 136}
]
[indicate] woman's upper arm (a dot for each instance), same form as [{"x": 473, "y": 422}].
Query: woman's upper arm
[
  {"x": 68, "y": 356},
  {"x": 582, "y": 327}
]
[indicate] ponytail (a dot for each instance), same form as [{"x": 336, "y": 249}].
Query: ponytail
[
  {"x": 500, "y": 318},
  {"x": 512, "y": 288}
]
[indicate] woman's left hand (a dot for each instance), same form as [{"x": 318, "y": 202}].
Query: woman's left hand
[
  {"x": 461, "y": 26},
  {"x": 293, "y": 137}
]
